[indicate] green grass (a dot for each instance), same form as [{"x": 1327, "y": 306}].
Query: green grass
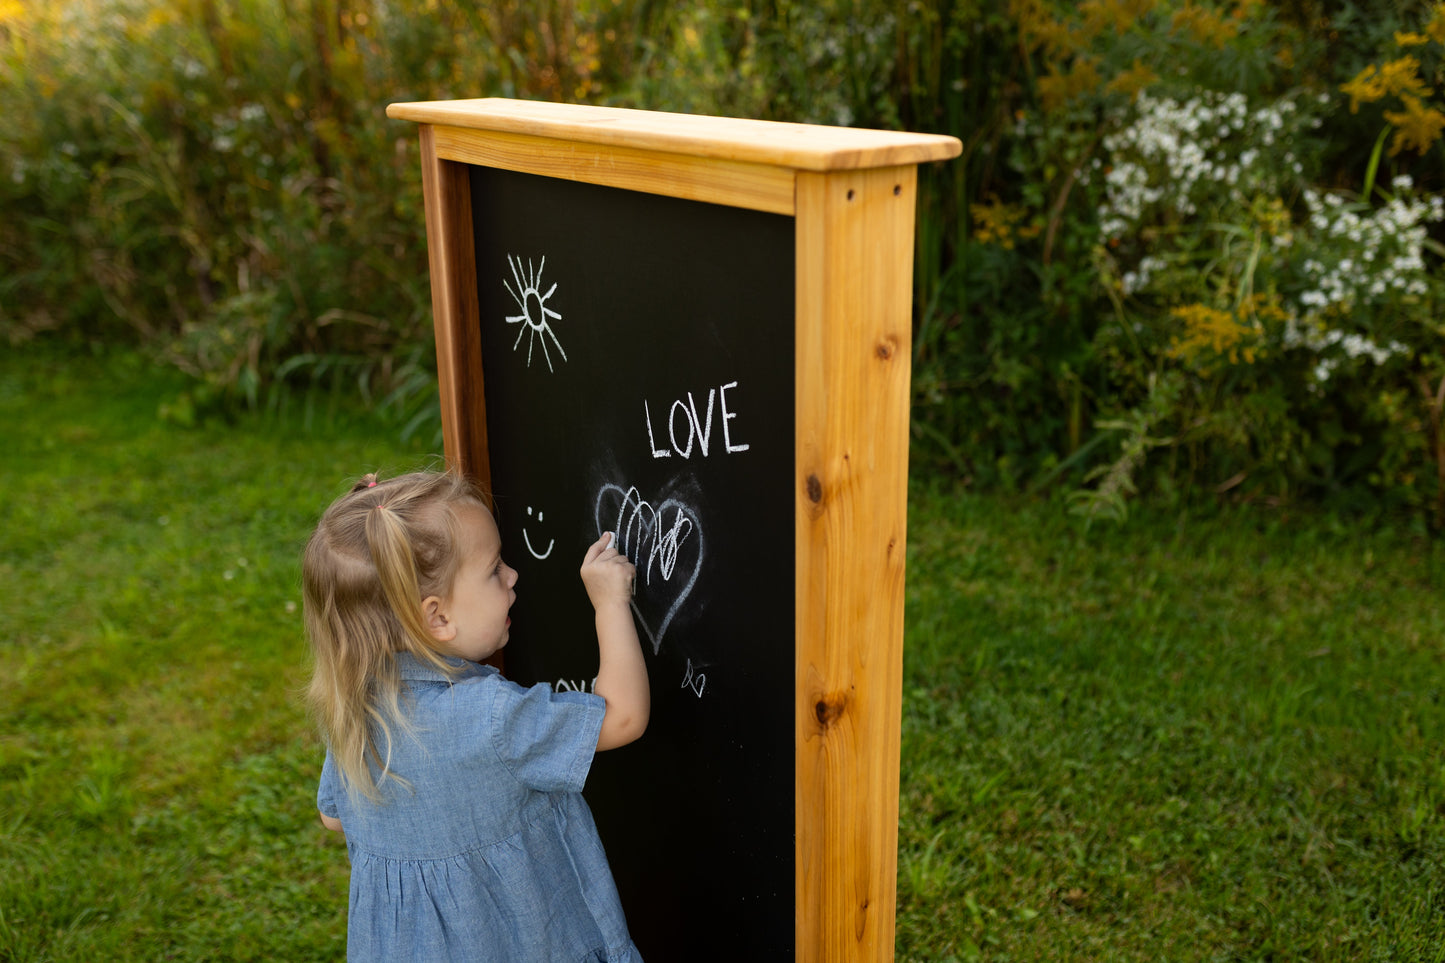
[
  {"x": 1209, "y": 739},
  {"x": 1185, "y": 739},
  {"x": 156, "y": 770}
]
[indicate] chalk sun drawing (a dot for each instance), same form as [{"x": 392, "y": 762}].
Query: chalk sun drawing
[
  {"x": 535, "y": 327},
  {"x": 539, "y": 556},
  {"x": 659, "y": 541}
]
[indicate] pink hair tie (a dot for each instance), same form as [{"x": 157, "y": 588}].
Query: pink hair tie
[{"x": 371, "y": 484}]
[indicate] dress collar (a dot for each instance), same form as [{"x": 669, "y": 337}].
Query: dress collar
[{"x": 410, "y": 667}]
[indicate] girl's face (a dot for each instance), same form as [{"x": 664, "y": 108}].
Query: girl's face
[{"x": 472, "y": 621}]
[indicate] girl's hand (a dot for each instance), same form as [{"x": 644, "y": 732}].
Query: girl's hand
[
  {"x": 607, "y": 574},
  {"x": 621, "y": 671}
]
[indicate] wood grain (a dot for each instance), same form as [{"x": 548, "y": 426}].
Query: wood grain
[
  {"x": 451, "y": 255},
  {"x": 808, "y": 147},
  {"x": 854, "y": 274},
  {"x": 734, "y": 183}
]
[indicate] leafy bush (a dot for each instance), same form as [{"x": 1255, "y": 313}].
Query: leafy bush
[
  {"x": 1109, "y": 287},
  {"x": 220, "y": 182},
  {"x": 1303, "y": 321},
  {"x": 1234, "y": 316}
]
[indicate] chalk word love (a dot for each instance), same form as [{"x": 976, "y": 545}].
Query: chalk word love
[
  {"x": 696, "y": 428},
  {"x": 575, "y": 685},
  {"x": 664, "y": 543},
  {"x": 696, "y": 681}
]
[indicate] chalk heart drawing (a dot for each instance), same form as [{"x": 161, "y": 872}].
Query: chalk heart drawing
[
  {"x": 694, "y": 680},
  {"x": 664, "y": 543}
]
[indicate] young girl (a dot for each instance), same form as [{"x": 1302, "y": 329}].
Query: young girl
[{"x": 458, "y": 791}]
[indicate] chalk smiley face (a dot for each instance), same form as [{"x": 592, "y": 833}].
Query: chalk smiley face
[{"x": 527, "y": 539}]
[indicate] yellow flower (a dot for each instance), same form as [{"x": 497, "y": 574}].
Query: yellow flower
[
  {"x": 1400, "y": 77},
  {"x": 998, "y": 223},
  {"x": 1039, "y": 29},
  {"x": 1246, "y": 9},
  {"x": 1410, "y": 39},
  {"x": 1403, "y": 77},
  {"x": 1436, "y": 27},
  {"x": 1133, "y": 80},
  {"x": 1037, "y": 26},
  {"x": 1266, "y": 306},
  {"x": 160, "y": 16},
  {"x": 1272, "y": 217},
  {"x": 1211, "y": 334},
  {"x": 1204, "y": 25},
  {"x": 1056, "y": 89},
  {"x": 1417, "y": 126},
  {"x": 1099, "y": 14},
  {"x": 1365, "y": 87}
]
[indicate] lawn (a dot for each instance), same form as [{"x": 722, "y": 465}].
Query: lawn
[
  {"x": 1215, "y": 736},
  {"x": 1207, "y": 739}
]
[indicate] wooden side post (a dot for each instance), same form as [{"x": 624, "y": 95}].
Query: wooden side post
[
  {"x": 854, "y": 273},
  {"x": 452, "y": 256}
]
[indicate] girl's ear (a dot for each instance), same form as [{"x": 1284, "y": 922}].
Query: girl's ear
[{"x": 435, "y": 616}]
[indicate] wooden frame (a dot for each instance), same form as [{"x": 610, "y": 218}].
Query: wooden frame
[{"x": 852, "y": 195}]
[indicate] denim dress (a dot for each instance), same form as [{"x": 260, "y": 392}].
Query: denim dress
[{"x": 489, "y": 851}]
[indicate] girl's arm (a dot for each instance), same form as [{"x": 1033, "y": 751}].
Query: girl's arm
[
  {"x": 621, "y": 673},
  {"x": 330, "y": 822}
]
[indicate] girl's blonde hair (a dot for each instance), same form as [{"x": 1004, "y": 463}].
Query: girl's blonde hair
[{"x": 376, "y": 553}]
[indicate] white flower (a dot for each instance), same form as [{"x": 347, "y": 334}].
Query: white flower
[{"x": 189, "y": 67}]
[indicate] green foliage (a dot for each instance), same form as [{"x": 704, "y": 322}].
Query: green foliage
[
  {"x": 218, "y": 183},
  {"x": 1302, "y": 322},
  {"x": 1172, "y": 155}
]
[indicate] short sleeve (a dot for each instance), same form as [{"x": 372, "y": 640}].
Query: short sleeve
[
  {"x": 547, "y": 739},
  {"x": 329, "y": 790}
]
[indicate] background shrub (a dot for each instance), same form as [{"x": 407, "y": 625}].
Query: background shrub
[{"x": 216, "y": 180}]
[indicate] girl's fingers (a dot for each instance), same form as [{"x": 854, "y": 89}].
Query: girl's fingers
[{"x": 598, "y": 547}]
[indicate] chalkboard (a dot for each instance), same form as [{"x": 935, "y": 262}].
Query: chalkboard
[
  {"x": 638, "y": 373},
  {"x": 706, "y": 348}
]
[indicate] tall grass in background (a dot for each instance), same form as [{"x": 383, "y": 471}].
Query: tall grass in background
[{"x": 216, "y": 180}]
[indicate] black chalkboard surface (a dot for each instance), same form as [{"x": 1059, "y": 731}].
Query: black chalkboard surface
[{"x": 638, "y": 371}]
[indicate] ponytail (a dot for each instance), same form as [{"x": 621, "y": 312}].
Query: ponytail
[
  {"x": 376, "y": 553},
  {"x": 389, "y": 542}
]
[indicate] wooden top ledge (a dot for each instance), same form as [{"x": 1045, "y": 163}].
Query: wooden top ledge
[{"x": 799, "y": 146}]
